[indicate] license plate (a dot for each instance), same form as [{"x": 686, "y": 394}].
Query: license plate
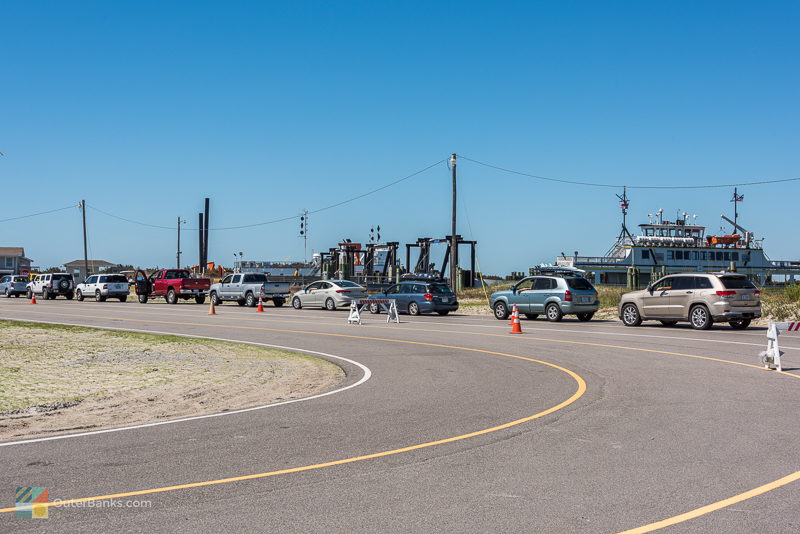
[
  {"x": 745, "y": 297},
  {"x": 445, "y": 300},
  {"x": 586, "y": 299}
]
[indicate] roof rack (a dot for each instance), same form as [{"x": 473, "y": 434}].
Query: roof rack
[
  {"x": 422, "y": 277},
  {"x": 554, "y": 270}
]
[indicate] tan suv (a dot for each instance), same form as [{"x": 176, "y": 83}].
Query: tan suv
[{"x": 699, "y": 298}]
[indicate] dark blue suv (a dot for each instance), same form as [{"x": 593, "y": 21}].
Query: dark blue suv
[{"x": 419, "y": 296}]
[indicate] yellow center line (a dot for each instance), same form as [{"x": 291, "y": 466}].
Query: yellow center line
[
  {"x": 645, "y": 528},
  {"x": 575, "y": 396}
]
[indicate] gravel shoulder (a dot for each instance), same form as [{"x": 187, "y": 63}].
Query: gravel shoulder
[{"x": 57, "y": 379}]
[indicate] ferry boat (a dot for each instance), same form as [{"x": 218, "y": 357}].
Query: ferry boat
[{"x": 664, "y": 247}]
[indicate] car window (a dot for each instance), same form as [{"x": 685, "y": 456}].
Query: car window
[
  {"x": 701, "y": 282},
  {"x": 736, "y": 282},
  {"x": 255, "y": 278},
  {"x": 90, "y": 280},
  {"x": 5, "y": 279},
  {"x": 62, "y": 277},
  {"x": 664, "y": 282},
  {"x": 326, "y": 285},
  {"x": 102, "y": 280},
  {"x": 393, "y": 290},
  {"x": 236, "y": 279},
  {"x": 346, "y": 283},
  {"x": 227, "y": 279},
  {"x": 683, "y": 282},
  {"x": 579, "y": 284},
  {"x": 542, "y": 283},
  {"x": 172, "y": 274},
  {"x": 117, "y": 279},
  {"x": 315, "y": 285},
  {"x": 439, "y": 289}
]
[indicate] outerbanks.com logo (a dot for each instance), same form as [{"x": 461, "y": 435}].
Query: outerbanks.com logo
[
  {"x": 29, "y": 502},
  {"x": 32, "y": 503}
]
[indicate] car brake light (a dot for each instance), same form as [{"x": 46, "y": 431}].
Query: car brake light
[
  {"x": 757, "y": 292},
  {"x": 51, "y": 283},
  {"x": 568, "y": 295},
  {"x": 726, "y": 293},
  {"x": 342, "y": 291},
  {"x": 105, "y": 286},
  {"x": 428, "y": 296}
]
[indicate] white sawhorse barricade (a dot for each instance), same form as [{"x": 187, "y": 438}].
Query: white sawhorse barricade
[
  {"x": 771, "y": 358},
  {"x": 387, "y": 305}
]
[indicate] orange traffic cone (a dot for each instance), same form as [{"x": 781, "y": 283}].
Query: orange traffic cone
[
  {"x": 515, "y": 327},
  {"x": 211, "y": 310},
  {"x": 33, "y": 298},
  {"x": 513, "y": 313},
  {"x": 260, "y": 305}
]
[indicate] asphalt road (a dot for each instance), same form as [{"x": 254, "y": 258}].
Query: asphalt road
[{"x": 570, "y": 427}]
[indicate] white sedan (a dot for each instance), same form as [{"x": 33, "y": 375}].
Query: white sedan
[{"x": 328, "y": 294}]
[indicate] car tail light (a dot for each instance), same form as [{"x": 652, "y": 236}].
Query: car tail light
[
  {"x": 342, "y": 291},
  {"x": 757, "y": 292},
  {"x": 568, "y": 296},
  {"x": 726, "y": 293},
  {"x": 428, "y": 297},
  {"x": 51, "y": 283},
  {"x": 105, "y": 286}
]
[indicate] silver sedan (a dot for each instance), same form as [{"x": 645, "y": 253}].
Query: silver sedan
[{"x": 328, "y": 294}]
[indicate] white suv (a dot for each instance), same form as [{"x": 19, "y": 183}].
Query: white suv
[
  {"x": 103, "y": 286},
  {"x": 50, "y": 285}
]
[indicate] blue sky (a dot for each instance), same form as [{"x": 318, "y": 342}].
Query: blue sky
[{"x": 144, "y": 108}]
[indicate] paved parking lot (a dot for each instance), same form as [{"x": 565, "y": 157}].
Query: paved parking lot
[{"x": 570, "y": 427}]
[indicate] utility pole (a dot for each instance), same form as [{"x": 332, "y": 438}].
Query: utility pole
[
  {"x": 736, "y": 199},
  {"x": 453, "y": 241},
  {"x": 178, "y": 255},
  {"x": 85, "y": 249}
]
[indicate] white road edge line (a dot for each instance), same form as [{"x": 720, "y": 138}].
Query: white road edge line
[{"x": 364, "y": 368}]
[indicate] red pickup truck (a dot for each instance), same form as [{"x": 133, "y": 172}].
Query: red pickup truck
[{"x": 173, "y": 284}]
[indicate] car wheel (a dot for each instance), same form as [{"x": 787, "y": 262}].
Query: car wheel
[
  {"x": 739, "y": 324},
  {"x": 250, "y": 300},
  {"x": 240, "y": 302},
  {"x": 443, "y": 312},
  {"x": 296, "y": 304},
  {"x": 278, "y": 302},
  {"x": 531, "y": 316},
  {"x": 8, "y": 293},
  {"x": 172, "y": 297},
  {"x": 98, "y": 297},
  {"x": 45, "y": 294},
  {"x": 630, "y": 315},
  {"x": 500, "y": 310},
  {"x": 70, "y": 295},
  {"x": 200, "y": 299},
  {"x": 669, "y": 323},
  {"x": 330, "y": 305},
  {"x": 215, "y": 299},
  {"x": 123, "y": 299},
  {"x": 585, "y": 316},
  {"x": 413, "y": 308},
  {"x": 700, "y": 318},
  {"x": 142, "y": 299},
  {"x": 553, "y": 312},
  {"x": 374, "y": 308},
  {"x": 29, "y": 293}
]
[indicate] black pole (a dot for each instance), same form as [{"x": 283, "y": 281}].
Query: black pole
[
  {"x": 200, "y": 237},
  {"x": 735, "y": 209},
  {"x": 205, "y": 240},
  {"x": 453, "y": 241},
  {"x": 178, "y": 254},
  {"x": 85, "y": 249}
]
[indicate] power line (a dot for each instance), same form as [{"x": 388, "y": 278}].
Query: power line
[
  {"x": 36, "y": 214},
  {"x": 282, "y": 219},
  {"x": 617, "y": 186}
]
